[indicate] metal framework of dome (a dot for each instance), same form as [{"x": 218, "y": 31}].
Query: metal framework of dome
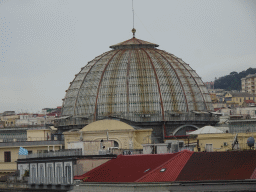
[{"x": 138, "y": 83}]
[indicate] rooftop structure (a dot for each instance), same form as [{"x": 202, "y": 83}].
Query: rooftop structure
[{"x": 140, "y": 84}]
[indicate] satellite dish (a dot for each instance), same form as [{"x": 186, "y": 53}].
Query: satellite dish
[{"x": 250, "y": 142}]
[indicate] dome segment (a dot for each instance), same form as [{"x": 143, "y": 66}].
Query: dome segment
[{"x": 136, "y": 82}]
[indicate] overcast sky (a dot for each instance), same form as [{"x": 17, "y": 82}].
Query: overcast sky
[{"x": 45, "y": 43}]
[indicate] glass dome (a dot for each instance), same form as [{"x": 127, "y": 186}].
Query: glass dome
[{"x": 136, "y": 80}]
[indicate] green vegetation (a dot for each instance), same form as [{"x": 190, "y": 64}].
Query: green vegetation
[
  {"x": 233, "y": 80},
  {"x": 26, "y": 174}
]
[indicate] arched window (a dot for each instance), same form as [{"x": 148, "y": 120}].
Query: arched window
[{"x": 116, "y": 144}]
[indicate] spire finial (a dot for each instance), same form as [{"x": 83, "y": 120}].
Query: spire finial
[{"x": 133, "y": 29}]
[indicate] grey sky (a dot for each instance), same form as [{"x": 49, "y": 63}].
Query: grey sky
[{"x": 45, "y": 43}]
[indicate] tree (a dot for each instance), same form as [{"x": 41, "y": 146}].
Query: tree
[{"x": 233, "y": 80}]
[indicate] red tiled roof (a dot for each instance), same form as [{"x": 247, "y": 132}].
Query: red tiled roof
[
  {"x": 249, "y": 101},
  {"x": 170, "y": 170},
  {"x": 216, "y": 109},
  {"x": 234, "y": 165},
  {"x": 126, "y": 168},
  {"x": 182, "y": 166}
]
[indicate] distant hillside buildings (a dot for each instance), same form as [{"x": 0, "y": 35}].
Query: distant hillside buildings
[{"x": 10, "y": 119}]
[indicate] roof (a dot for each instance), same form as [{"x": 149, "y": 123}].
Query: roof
[
  {"x": 170, "y": 170},
  {"x": 206, "y": 130},
  {"x": 235, "y": 165},
  {"x": 216, "y": 109},
  {"x": 133, "y": 41},
  {"x": 107, "y": 125},
  {"x": 182, "y": 166},
  {"x": 126, "y": 168},
  {"x": 249, "y": 101},
  {"x": 251, "y": 75},
  {"x": 242, "y": 94}
]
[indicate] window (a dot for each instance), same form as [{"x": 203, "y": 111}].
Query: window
[
  {"x": 7, "y": 156},
  {"x": 21, "y": 170},
  {"x": 181, "y": 144},
  {"x": 208, "y": 148},
  {"x": 58, "y": 174},
  {"x": 42, "y": 173},
  {"x": 33, "y": 174},
  {"x": 116, "y": 144},
  {"x": 68, "y": 173},
  {"x": 50, "y": 174},
  {"x": 39, "y": 151}
]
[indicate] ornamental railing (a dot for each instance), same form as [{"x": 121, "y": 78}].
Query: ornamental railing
[
  {"x": 61, "y": 153},
  {"x": 50, "y": 181},
  {"x": 71, "y": 121}
]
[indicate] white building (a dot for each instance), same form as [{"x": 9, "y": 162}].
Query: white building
[{"x": 248, "y": 83}]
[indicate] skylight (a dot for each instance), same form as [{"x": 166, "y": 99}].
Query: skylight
[{"x": 162, "y": 170}]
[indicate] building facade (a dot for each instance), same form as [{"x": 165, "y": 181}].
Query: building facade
[
  {"x": 248, "y": 84},
  {"x": 235, "y": 99},
  {"x": 122, "y": 136},
  {"x": 35, "y": 141}
]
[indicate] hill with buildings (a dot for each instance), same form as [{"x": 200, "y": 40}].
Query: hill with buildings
[{"x": 233, "y": 80}]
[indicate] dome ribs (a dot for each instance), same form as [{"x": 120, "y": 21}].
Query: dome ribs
[
  {"x": 195, "y": 82},
  {"x": 158, "y": 86},
  {"x": 191, "y": 75},
  {"x": 145, "y": 107},
  {"x": 186, "y": 79},
  {"x": 177, "y": 77},
  {"x": 169, "y": 80},
  {"x": 84, "y": 79},
  {"x": 113, "y": 70},
  {"x": 96, "y": 102},
  {"x": 127, "y": 82}
]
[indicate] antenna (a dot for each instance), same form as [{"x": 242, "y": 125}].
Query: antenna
[
  {"x": 132, "y": 15},
  {"x": 133, "y": 29}
]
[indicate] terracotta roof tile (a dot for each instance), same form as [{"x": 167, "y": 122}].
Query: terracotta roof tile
[
  {"x": 235, "y": 165},
  {"x": 126, "y": 168},
  {"x": 168, "y": 171}
]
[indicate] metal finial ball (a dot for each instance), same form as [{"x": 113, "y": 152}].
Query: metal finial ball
[{"x": 133, "y": 30}]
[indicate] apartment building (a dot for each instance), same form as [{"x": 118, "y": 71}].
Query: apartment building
[{"x": 248, "y": 83}]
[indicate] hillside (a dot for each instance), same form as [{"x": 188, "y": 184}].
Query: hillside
[{"x": 233, "y": 80}]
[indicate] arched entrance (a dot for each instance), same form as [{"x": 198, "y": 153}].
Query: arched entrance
[{"x": 184, "y": 129}]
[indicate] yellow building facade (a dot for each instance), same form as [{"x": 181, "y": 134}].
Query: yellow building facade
[
  {"x": 125, "y": 136},
  {"x": 9, "y": 121},
  {"x": 38, "y": 135},
  {"x": 36, "y": 143},
  {"x": 218, "y": 142},
  {"x": 238, "y": 98}
]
